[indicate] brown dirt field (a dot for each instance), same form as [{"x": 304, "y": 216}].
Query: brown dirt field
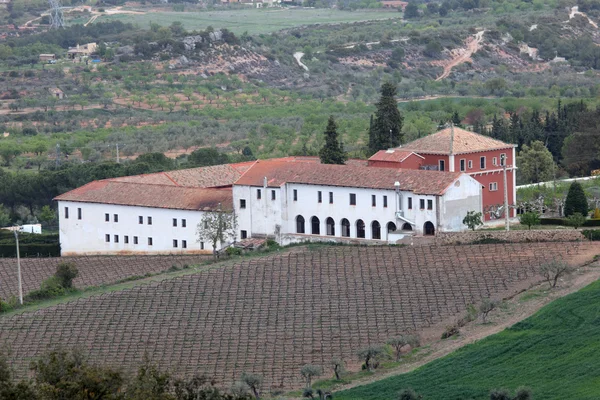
[{"x": 274, "y": 314}]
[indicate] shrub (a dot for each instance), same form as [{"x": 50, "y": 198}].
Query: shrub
[
  {"x": 233, "y": 251},
  {"x": 451, "y": 330},
  {"x": 529, "y": 219},
  {"x": 576, "y": 201},
  {"x": 576, "y": 220},
  {"x": 591, "y": 234},
  {"x": 65, "y": 273},
  {"x": 409, "y": 394},
  {"x": 472, "y": 220},
  {"x": 50, "y": 288},
  {"x": 596, "y": 213}
]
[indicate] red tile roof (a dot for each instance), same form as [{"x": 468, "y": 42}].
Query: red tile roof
[
  {"x": 281, "y": 172},
  {"x": 151, "y": 195},
  {"x": 212, "y": 176},
  {"x": 395, "y": 155},
  {"x": 315, "y": 160},
  {"x": 464, "y": 141}
]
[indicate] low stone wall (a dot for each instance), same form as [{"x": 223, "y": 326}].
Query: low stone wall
[{"x": 520, "y": 236}]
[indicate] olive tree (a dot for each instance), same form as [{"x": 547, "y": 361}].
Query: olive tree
[
  {"x": 254, "y": 382},
  {"x": 486, "y": 307},
  {"x": 552, "y": 271},
  {"x": 309, "y": 371},
  {"x": 398, "y": 342},
  {"x": 371, "y": 356}
]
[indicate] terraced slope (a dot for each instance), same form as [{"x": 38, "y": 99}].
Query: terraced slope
[{"x": 274, "y": 314}]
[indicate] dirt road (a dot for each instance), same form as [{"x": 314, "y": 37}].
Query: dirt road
[{"x": 463, "y": 55}]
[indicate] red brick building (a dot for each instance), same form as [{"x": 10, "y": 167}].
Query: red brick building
[{"x": 455, "y": 149}]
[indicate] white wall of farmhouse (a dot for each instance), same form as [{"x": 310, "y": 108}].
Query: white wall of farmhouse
[
  {"x": 279, "y": 216},
  {"x": 85, "y": 231}
]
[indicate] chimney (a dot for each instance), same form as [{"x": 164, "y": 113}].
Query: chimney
[
  {"x": 451, "y": 138},
  {"x": 265, "y": 182}
]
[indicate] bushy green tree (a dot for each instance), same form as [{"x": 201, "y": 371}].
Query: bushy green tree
[
  {"x": 411, "y": 10},
  {"x": 576, "y": 201},
  {"x": 332, "y": 151},
  {"x": 529, "y": 219},
  {"x": 576, "y": 220},
  {"x": 65, "y": 273},
  {"x": 472, "y": 220},
  {"x": 535, "y": 163},
  {"x": 386, "y": 130}
]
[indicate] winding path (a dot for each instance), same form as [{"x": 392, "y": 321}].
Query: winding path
[
  {"x": 473, "y": 46},
  {"x": 298, "y": 56}
]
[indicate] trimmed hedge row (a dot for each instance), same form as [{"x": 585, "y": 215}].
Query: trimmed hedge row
[
  {"x": 31, "y": 250},
  {"x": 591, "y": 234},
  {"x": 563, "y": 221}
]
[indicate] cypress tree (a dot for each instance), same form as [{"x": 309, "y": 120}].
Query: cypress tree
[
  {"x": 386, "y": 131},
  {"x": 456, "y": 119},
  {"x": 576, "y": 200},
  {"x": 332, "y": 151}
]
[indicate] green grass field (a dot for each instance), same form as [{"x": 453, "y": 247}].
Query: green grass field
[
  {"x": 554, "y": 353},
  {"x": 252, "y": 20}
]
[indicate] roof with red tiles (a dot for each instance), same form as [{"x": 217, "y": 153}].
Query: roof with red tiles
[
  {"x": 281, "y": 172},
  {"x": 316, "y": 160},
  {"x": 454, "y": 140},
  {"x": 395, "y": 155},
  {"x": 109, "y": 191},
  {"x": 202, "y": 177}
]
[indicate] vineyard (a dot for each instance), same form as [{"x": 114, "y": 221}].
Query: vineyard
[
  {"x": 93, "y": 271},
  {"x": 271, "y": 315}
]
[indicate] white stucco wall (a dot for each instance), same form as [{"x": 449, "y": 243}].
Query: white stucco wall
[
  {"x": 87, "y": 235},
  {"x": 464, "y": 196},
  {"x": 261, "y": 217}
]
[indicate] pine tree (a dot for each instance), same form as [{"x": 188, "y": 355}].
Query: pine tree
[
  {"x": 456, "y": 119},
  {"x": 576, "y": 200},
  {"x": 332, "y": 151},
  {"x": 386, "y": 130}
]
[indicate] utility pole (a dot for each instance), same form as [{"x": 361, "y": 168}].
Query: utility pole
[
  {"x": 117, "y": 153},
  {"x": 16, "y": 232},
  {"x": 57, "y": 154},
  {"x": 506, "y": 210}
]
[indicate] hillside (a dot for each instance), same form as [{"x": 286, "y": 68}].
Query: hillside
[
  {"x": 272, "y": 315},
  {"x": 552, "y": 353}
]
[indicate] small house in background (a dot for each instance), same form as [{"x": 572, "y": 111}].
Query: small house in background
[
  {"x": 81, "y": 51},
  {"x": 56, "y": 92},
  {"x": 47, "y": 57},
  {"x": 394, "y": 4},
  {"x": 29, "y": 228}
]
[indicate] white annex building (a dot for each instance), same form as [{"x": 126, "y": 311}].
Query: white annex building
[{"x": 290, "y": 200}]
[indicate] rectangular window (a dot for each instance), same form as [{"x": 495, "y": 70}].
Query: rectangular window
[
  {"x": 175, "y": 243},
  {"x": 184, "y": 244},
  {"x": 135, "y": 240},
  {"x": 175, "y": 222},
  {"x": 243, "y": 234},
  {"x": 149, "y": 241},
  {"x": 352, "y": 199},
  {"x": 66, "y": 212},
  {"x": 470, "y": 164},
  {"x": 495, "y": 161},
  {"x": 183, "y": 223},
  {"x": 442, "y": 165},
  {"x": 384, "y": 201},
  {"x": 78, "y": 213},
  {"x": 422, "y": 204},
  {"x": 430, "y": 204},
  {"x": 116, "y": 218},
  {"x": 273, "y": 195},
  {"x": 410, "y": 203},
  {"x": 141, "y": 220},
  {"x": 149, "y": 220},
  {"x": 201, "y": 245},
  {"x": 503, "y": 159},
  {"x": 116, "y": 238},
  {"x": 330, "y": 197},
  {"x": 258, "y": 194},
  {"x": 493, "y": 186},
  {"x": 107, "y": 238},
  {"x": 242, "y": 203},
  {"x": 462, "y": 164},
  {"x": 319, "y": 197},
  {"x": 295, "y": 195},
  {"x": 126, "y": 239},
  {"x": 482, "y": 162},
  {"x": 373, "y": 200},
  {"x": 106, "y": 217}
]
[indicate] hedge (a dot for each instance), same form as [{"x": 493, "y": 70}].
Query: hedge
[
  {"x": 563, "y": 221},
  {"x": 591, "y": 234},
  {"x": 30, "y": 250}
]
